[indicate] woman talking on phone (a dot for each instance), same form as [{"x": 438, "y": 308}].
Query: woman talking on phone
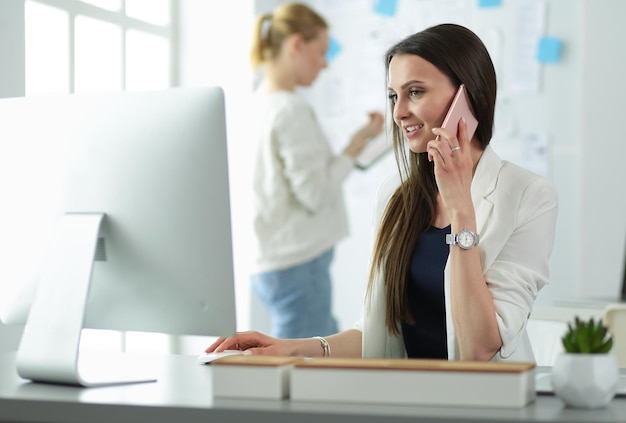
[{"x": 464, "y": 238}]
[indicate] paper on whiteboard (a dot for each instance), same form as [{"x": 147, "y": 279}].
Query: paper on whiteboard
[{"x": 531, "y": 21}]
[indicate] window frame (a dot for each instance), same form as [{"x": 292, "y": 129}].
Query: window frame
[{"x": 119, "y": 18}]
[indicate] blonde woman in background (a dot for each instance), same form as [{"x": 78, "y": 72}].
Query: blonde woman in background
[{"x": 299, "y": 212}]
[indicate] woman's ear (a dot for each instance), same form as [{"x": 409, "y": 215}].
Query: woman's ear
[{"x": 294, "y": 44}]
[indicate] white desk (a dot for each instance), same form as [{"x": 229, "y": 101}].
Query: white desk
[{"x": 183, "y": 394}]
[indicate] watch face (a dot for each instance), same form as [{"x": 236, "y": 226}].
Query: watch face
[{"x": 466, "y": 239}]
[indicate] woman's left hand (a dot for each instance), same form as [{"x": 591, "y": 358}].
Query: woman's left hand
[{"x": 255, "y": 343}]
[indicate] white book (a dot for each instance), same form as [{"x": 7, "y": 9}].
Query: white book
[
  {"x": 416, "y": 382},
  {"x": 252, "y": 376}
]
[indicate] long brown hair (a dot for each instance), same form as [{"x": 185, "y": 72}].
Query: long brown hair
[
  {"x": 272, "y": 29},
  {"x": 460, "y": 54}
]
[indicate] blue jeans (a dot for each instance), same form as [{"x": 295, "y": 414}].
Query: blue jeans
[{"x": 298, "y": 298}]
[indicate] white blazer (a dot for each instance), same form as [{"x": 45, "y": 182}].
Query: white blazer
[{"x": 516, "y": 214}]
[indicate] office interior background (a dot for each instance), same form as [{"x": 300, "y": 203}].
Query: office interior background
[{"x": 560, "y": 116}]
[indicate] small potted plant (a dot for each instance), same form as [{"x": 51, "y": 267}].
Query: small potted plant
[{"x": 586, "y": 374}]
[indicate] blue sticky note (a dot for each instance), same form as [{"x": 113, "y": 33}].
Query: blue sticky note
[
  {"x": 333, "y": 50},
  {"x": 386, "y": 7},
  {"x": 489, "y": 3},
  {"x": 549, "y": 50}
]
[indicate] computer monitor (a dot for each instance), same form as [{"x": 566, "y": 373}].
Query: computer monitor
[{"x": 115, "y": 215}]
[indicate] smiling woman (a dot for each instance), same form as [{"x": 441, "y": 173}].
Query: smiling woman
[{"x": 429, "y": 296}]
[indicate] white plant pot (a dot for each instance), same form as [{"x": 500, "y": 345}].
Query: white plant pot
[{"x": 585, "y": 380}]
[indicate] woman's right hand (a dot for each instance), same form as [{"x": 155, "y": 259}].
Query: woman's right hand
[{"x": 258, "y": 344}]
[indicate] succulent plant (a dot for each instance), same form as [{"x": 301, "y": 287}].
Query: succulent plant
[{"x": 587, "y": 337}]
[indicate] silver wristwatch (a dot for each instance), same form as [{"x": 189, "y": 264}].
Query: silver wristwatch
[{"x": 465, "y": 239}]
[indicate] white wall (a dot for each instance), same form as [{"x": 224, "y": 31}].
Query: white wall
[
  {"x": 11, "y": 85},
  {"x": 12, "y": 73},
  {"x": 603, "y": 147}
]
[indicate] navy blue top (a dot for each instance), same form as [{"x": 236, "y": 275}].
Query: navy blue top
[{"x": 427, "y": 338}]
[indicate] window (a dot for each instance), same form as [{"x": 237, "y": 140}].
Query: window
[
  {"x": 75, "y": 46},
  {"x": 47, "y": 52}
]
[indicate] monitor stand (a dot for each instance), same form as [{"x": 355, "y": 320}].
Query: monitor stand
[{"x": 49, "y": 349}]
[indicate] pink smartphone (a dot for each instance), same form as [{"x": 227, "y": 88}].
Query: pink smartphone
[{"x": 460, "y": 108}]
